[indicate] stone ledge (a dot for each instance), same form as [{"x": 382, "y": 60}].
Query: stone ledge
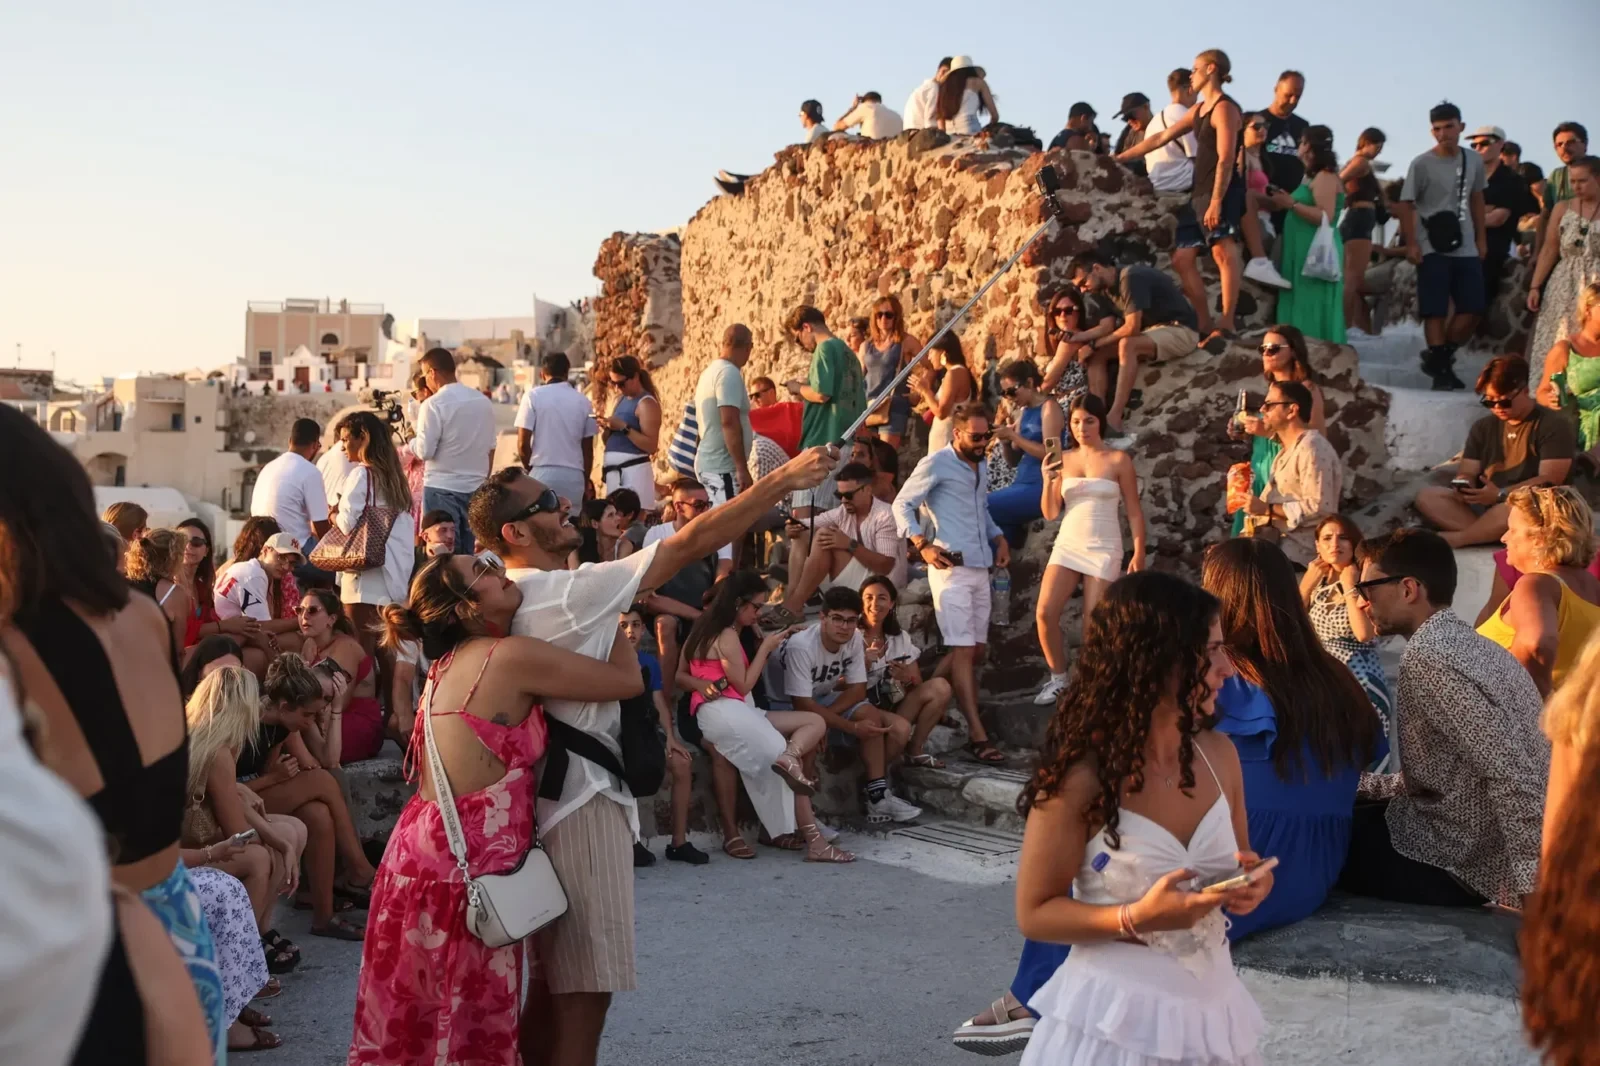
[
  {"x": 1447, "y": 948},
  {"x": 378, "y": 793}
]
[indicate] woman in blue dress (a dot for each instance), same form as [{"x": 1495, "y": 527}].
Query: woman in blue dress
[
  {"x": 1039, "y": 418},
  {"x": 886, "y": 350},
  {"x": 1303, "y": 728}
]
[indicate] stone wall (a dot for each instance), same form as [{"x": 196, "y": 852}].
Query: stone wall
[
  {"x": 639, "y": 311},
  {"x": 262, "y": 423}
]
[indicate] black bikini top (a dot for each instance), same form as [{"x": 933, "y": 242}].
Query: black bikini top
[{"x": 140, "y": 807}]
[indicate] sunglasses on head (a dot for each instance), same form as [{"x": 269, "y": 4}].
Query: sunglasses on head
[
  {"x": 1272, "y": 349},
  {"x": 1500, "y": 404},
  {"x": 544, "y": 502}
]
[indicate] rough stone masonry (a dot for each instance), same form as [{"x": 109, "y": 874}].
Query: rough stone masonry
[{"x": 929, "y": 218}]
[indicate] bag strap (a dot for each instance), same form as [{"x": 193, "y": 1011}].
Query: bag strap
[
  {"x": 568, "y": 740},
  {"x": 443, "y": 795},
  {"x": 1461, "y": 185}
]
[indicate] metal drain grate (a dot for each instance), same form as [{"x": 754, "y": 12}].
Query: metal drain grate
[{"x": 975, "y": 841}]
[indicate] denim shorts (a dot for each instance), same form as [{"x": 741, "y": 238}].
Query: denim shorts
[
  {"x": 1442, "y": 279},
  {"x": 1191, "y": 234}
]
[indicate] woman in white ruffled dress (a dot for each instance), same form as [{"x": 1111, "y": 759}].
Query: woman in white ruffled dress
[{"x": 1133, "y": 798}]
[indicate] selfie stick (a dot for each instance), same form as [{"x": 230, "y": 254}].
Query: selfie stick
[{"x": 1049, "y": 185}]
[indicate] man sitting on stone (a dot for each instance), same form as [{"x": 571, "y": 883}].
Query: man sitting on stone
[
  {"x": 825, "y": 671},
  {"x": 1519, "y": 443},
  {"x": 1307, "y": 477},
  {"x": 1460, "y": 824},
  {"x": 1158, "y": 324},
  {"x": 851, "y": 542},
  {"x": 876, "y": 121}
]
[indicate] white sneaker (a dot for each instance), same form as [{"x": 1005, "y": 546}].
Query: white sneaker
[
  {"x": 1051, "y": 690},
  {"x": 891, "y": 809},
  {"x": 1262, "y": 271}
]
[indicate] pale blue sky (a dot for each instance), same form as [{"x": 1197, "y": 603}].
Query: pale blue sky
[{"x": 166, "y": 162}]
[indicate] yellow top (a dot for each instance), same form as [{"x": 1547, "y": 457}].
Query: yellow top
[{"x": 1576, "y": 619}]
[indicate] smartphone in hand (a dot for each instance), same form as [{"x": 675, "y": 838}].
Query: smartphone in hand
[{"x": 1238, "y": 878}]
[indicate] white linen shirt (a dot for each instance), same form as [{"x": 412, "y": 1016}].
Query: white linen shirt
[
  {"x": 876, "y": 121},
  {"x": 334, "y": 466},
  {"x": 578, "y": 610},
  {"x": 455, "y": 437},
  {"x": 389, "y": 583},
  {"x": 559, "y": 417},
  {"x": 290, "y": 489},
  {"x": 919, "y": 108}
]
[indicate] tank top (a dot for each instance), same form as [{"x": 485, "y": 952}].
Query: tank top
[
  {"x": 627, "y": 410},
  {"x": 881, "y": 367},
  {"x": 966, "y": 120},
  {"x": 1207, "y": 157},
  {"x": 1576, "y": 620}
]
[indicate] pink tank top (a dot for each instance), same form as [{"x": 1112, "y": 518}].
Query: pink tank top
[{"x": 711, "y": 670}]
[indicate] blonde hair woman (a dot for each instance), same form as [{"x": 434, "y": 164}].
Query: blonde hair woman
[
  {"x": 1551, "y": 612},
  {"x": 152, "y": 568},
  {"x": 1571, "y": 378}
]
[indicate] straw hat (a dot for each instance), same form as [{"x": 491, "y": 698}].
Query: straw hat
[{"x": 961, "y": 63}]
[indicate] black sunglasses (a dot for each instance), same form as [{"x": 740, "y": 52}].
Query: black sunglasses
[
  {"x": 199, "y": 542},
  {"x": 1064, "y": 309},
  {"x": 1501, "y": 404},
  {"x": 1272, "y": 349},
  {"x": 546, "y": 501},
  {"x": 985, "y": 435},
  {"x": 885, "y": 314},
  {"x": 696, "y": 505},
  {"x": 1360, "y": 588},
  {"x": 1277, "y": 403},
  {"x": 1009, "y": 392}
]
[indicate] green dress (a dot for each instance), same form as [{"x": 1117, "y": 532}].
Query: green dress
[
  {"x": 1263, "y": 451},
  {"x": 1579, "y": 388},
  {"x": 1313, "y": 306}
]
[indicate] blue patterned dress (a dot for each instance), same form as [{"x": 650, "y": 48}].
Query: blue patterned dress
[{"x": 175, "y": 902}]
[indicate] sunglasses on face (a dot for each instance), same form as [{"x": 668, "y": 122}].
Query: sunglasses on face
[
  {"x": 618, "y": 382},
  {"x": 1361, "y": 587},
  {"x": 1064, "y": 309},
  {"x": 480, "y": 568},
  {"x": 845, "y": 494},
  {"x": 885, "y": 314},
  {"x": 1500, "y": 403},
  {"x": 1259, "y": 127},
  {"x": 695, "y": 505},
  {"x": 1277, "y": 403},
  {"x": 979, "y": 438},
  {"x": 1009, "y": 392},
  {"x": 1272, "y": 349},
  {"x": 198, "y": 542},
  {"x": 308, "y": 612},
  {"x": 546, "y": 501}
]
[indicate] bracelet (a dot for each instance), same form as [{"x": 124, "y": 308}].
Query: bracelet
[
  {"x": 208, "y": 852},
  {"x": 1125, "y": 921}
]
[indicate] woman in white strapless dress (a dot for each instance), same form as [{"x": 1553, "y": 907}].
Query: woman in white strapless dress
[
  {"x": 1132, "y": 799},
  {"x": 1088, "y": 483}
]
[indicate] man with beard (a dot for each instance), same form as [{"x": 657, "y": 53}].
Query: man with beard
[
  {"x": 943, "y": 510},
  {"x": 589, "y": 830}
]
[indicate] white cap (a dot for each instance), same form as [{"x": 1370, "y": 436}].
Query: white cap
[
  {"x": 283, "y": 544},
  {"x": 1487, "y": 131}
]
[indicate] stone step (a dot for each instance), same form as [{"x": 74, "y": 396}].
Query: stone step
[{"x": 968, "y": 791}]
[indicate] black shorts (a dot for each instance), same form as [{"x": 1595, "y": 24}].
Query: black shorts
[
  {"x": 1446, "y": 279},
  {"x": 1192, "y": 234},
  {"x": 1358, "y": 224}
]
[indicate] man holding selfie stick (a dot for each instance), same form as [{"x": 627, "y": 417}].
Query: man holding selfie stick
[{"x": 943, "y": 509}]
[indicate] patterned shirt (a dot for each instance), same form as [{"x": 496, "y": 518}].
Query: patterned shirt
[
  {"x": 1470, "y": 795},
  {"x": 1306, "y": 481}
]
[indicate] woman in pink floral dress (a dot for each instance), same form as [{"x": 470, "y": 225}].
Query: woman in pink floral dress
[{"x": 430, "y": 992}]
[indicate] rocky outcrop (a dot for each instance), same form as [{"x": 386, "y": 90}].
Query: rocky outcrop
[{"x": 639, "y": 311}]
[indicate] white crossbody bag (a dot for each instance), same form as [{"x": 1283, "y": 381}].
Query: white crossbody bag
[{"x": 501, "y": 908}]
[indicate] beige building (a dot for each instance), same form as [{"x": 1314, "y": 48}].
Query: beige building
[
  {"x": 161, "y": 431},
  {"x": 348, "y": 332}
]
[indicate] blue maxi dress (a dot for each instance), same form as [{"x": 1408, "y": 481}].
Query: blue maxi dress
[
  {"x": 1016, "y": 505},
  {"x": 1305, "y": 823}
]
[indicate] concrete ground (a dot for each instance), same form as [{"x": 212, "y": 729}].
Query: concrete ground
[{"x": 776, "y": 961}]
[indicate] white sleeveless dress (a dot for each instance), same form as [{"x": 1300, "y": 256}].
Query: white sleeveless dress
[
  {"x": 1090, "y": 538},
  {"x": 1175, "y": 1002},
  {"x": 966, "y": 120}
]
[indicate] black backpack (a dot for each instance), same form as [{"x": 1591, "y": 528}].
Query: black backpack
[{"x": 643, "y": 765}]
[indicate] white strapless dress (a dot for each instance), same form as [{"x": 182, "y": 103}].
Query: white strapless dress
[{"x": 1090, "y": 538}]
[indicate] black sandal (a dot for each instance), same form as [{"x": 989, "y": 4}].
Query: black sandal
[
  {"x": 360, "y": 895},
  {"x": 283, "y": 955},
  {"x": 985, "y": 751}
]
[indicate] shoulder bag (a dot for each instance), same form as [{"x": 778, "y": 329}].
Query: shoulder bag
[
  {"x": 1444, "y": 227},
  {"x": 501, "y": 908},
  {"x": 365, "y": 547}
]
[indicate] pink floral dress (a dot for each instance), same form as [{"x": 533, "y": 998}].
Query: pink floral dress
[{"x": 430, "y": 992}]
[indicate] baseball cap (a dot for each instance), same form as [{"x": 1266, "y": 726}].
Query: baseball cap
[
  {"x": 1080, "y": 109},
  {"x": 283, "y": 544},
  {"x": 1129, "y": 102},
  {"x": 1487, "y": 131}
]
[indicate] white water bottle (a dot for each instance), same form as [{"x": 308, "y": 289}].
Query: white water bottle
[{"x": 1000, "y": 589}]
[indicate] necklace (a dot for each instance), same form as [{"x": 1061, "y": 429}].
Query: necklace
[{"x": 1584, "y": 221}]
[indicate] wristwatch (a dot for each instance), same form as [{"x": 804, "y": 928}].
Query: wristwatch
[{"x": 854, "y": 544}]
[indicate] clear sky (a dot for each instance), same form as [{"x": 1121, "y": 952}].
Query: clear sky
[{"x": 166, "y": 162}]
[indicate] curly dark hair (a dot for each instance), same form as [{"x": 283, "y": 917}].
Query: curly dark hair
[
  {"x": 1104, "y": 715},
  {"x": 1560, "y": 941}
]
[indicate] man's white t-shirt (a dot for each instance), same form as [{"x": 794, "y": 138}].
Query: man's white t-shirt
[
  {"x": 662, "y": 530},
  {"x": 810, "y": 669},
  {"x": 919, "y": 108},
  {"x": 334, "y": 467},
  {"x": 291, "y": 490},
  {"x": 876, "y": 121},
  {"x": 559, "y": 417},
  {"x": 243, "y": 589},
  {"x": 455, "y": 438},
  {"x": 578, "y": 610},
  {"x": 1171, "y": 167},
  {"x": 876, "y": 532}
]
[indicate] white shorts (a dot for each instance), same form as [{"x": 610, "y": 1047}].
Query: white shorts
[
  {"x": 640, "y": 477},
  {"x": 961, "y": 604},
  {"x": 851, "y": 577}
]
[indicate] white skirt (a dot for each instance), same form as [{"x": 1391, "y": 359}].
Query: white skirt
[
  {"x": 746, "y": 739},
  {"x": 1126, "y": 1005}
]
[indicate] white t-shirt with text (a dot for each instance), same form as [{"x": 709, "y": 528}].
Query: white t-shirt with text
[
  {"x": 242, "y": 589},
  {"x": 810, "y": 669}
]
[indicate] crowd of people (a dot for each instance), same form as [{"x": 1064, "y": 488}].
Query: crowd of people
[{"x": 550, "y": 642}]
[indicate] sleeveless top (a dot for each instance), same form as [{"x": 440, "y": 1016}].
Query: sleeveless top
[
  {"x": 1576, "y": 620},
  {"x": 966, "y": 120},
  {"x": 627, "y": 410},
  {"x": 1031, "y": 427},
  {"x": 712, "y": 670},
  {"x": 1207, "y": 157},
  {"x": 881, "y": 367},
  {"x": 140, "y": 807}
]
